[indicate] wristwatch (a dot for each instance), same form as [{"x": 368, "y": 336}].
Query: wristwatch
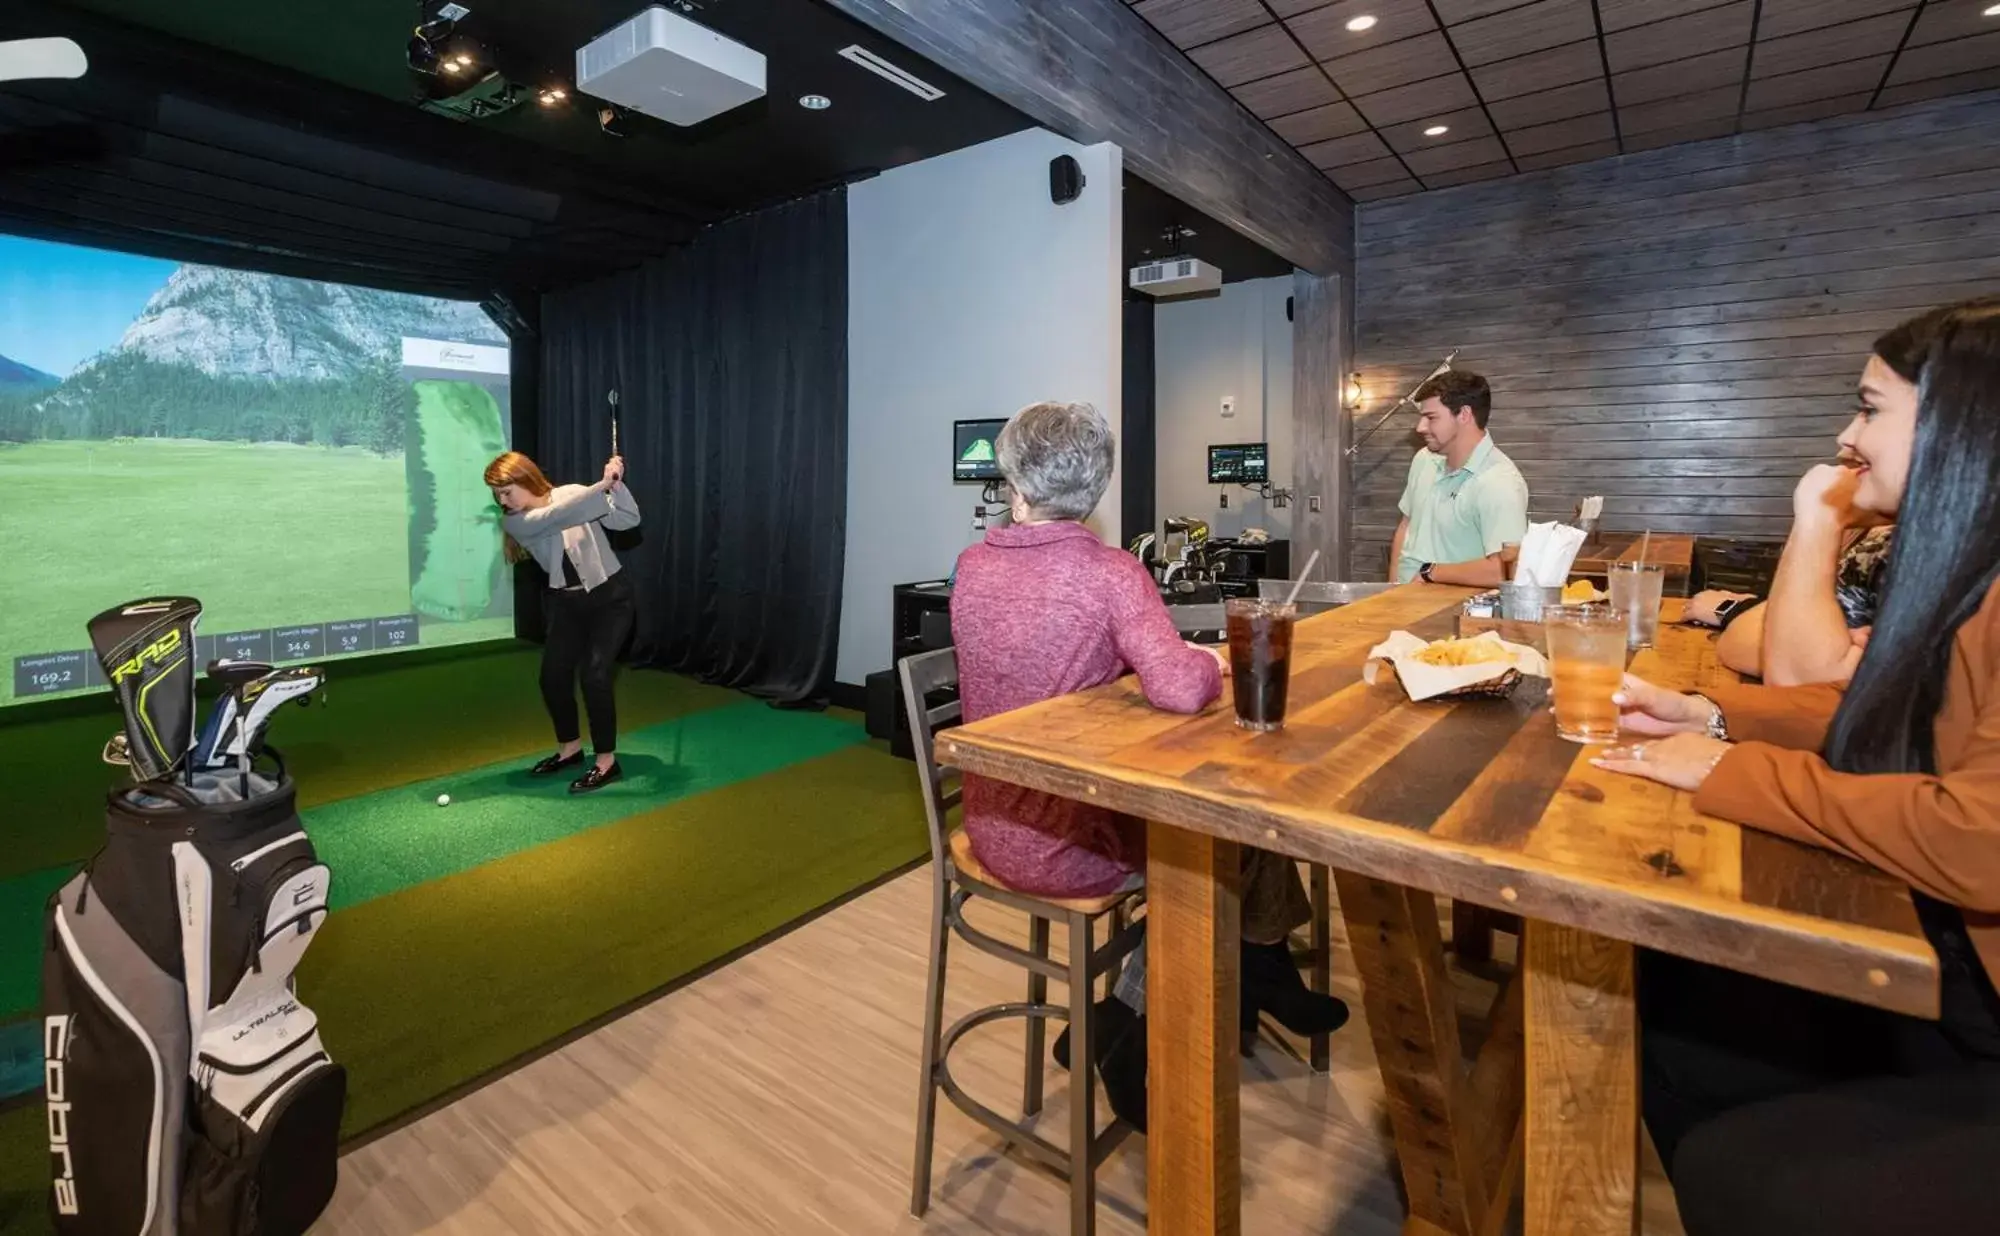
[
  {"x": 1729, "y": 611},
  {"x": 1424, "y": 572}
]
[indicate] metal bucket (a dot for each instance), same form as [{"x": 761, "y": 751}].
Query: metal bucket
[{"x": 1524, "y": 602}]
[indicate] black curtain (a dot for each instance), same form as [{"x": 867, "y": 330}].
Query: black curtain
[
  {"x": 730, "y": 359},
  {"x": 1137, "y": 434}
]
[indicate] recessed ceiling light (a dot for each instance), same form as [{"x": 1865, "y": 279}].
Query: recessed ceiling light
[
  {"x": 815, "y": 102},
  {"x": 1437, "y": 130},
  {"x": 1363, "y": 22}
]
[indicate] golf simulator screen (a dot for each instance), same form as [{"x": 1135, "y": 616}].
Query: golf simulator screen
[
  {"x": 305, "y": 458},
  {"x": 973, "y": 457}
]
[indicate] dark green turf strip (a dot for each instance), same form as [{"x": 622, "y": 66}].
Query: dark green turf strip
[
  {"x": 377, "y": 729},
  {"x": 423, "y": 990}
]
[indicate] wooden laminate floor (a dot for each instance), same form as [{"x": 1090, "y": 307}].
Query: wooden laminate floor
[{"x": 778, "y": 1094}]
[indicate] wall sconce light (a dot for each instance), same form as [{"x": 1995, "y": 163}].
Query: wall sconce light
[{"x": 1353, "y": 391}]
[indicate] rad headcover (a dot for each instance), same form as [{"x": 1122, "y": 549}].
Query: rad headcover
[{"x": 148, "y": 653}]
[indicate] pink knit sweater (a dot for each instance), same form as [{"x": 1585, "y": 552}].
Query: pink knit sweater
[{"x": 1042, "y": 610}]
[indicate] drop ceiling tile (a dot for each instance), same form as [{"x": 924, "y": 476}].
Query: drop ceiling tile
[
  {"x": 1688, "y": 109},
  {"x": 1459, "y": 154},
  {"x": 1562, "y": 158},
  {"x": 1413, "y": 102},
  {"x": 1786, "y": 17},
  {"x": 1972, "y": 55},
  {"x": 1664, "y": 81},
  {"x": 1548, "y": 106},
  {"x": 1455, "y": 11},
  {"x": 1695, "y": 131},
  {"x": 1468, "y": 175},
  {"x": 1191, "y": 22},
  {"x": 1695, "y": 35},
  {"x": 1319, "y": 125},
  {"x": 1938, "y": 87},
  {"x": 1376, "y": 172},
  {"x": 1942, "y": 22},
  {"x": 1246, "y": 57},
  {"x": 1576, "y": 131},
  {"x": 1519, "y": 32},
  {"x": 1818, "y": 109},
  {"x": 1875, "y": 36},
  {"x": 1854, "y": 77},
  {"x": 1460, "y": 126},
  {"x": 1624, "y": 14},
  {"x": 1286, "y": 93},
  {"x": 1412, "y": 60},
  {"x": 1326, "y": 36},
  {"x": 1559, "y": 66},
  {"x": 1396, "y": 188},
  {"x": 1354, "y": 148}
]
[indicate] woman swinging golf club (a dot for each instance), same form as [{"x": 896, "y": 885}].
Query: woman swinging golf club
[{"x": 589, "y": 609}]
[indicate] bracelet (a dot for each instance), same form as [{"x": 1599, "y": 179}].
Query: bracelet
[{"x": 1718, "y": 725}]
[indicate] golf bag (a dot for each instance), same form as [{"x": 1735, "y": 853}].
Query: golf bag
[{"x": 188, "y": 1091}]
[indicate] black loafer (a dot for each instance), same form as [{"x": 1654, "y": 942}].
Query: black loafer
[
  {"x": 555, "y": 764},
  {"x": 596, "y": 779}
]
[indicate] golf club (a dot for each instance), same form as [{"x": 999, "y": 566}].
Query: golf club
[{"x": 233, "y": 676}]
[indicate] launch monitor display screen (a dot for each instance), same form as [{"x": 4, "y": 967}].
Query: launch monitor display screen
[
  {"x": 1244, "y": 463},
  {"x": 304, "y": 458},
  {"x": 973, "y": 457}
]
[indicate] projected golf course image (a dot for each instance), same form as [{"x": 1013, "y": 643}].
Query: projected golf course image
[{"x": 303, "y": 457}]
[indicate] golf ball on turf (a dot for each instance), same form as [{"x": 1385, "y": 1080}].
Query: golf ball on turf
[{"x": 444, "y": 800}]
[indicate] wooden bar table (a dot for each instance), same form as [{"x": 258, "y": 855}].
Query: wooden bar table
[
  {"x": 1476, "y": 800},
  {"x": 1672, "y": 551}
]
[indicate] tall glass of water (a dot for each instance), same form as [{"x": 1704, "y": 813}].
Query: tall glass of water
[{"x": 1635, "y": 593}]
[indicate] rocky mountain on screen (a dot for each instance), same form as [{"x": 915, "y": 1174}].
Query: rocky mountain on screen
[
  {"x": 240, "y": 324},
  {"x": 16, "y": 377}
]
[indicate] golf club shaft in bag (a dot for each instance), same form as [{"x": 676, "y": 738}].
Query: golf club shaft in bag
[{"x": 188, "y": 1093}]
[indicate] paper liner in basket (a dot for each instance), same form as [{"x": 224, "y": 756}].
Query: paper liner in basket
[{"x": 1422, "y": 680}]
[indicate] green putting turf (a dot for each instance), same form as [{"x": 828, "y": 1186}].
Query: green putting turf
[
  {"x": 379, "y": 725},
  {"x": 472, "y": 934}
]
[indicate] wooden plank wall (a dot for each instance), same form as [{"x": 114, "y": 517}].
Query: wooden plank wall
[
  {"x": 1094, "y": 71},
  {"x": 1679, "y": 330}
]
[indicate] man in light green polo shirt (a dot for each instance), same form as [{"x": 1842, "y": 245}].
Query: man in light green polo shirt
[{"x": 1464, "y": 499}]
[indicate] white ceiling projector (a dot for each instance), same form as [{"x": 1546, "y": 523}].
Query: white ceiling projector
[{"x": 665, "y": 66}]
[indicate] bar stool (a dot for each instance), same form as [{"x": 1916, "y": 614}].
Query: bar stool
[{"x": 957, "y": 878}]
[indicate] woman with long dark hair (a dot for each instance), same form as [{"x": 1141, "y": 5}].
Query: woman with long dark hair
[
  {"x": 589, "y": 607},
  {"x": 1778, "y": 1111}
]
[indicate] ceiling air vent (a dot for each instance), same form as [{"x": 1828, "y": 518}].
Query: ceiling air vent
[{"x": 889, "y": 72}]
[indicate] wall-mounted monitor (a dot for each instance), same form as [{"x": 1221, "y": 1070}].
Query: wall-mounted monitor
[
  {"x": 974, "y": 455},
  {"x": 1239, "y": 463}
]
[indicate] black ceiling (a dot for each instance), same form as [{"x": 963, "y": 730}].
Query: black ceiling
[
  {"x": 1150, "y": 212},
  {"x": 284, "y": 136}
]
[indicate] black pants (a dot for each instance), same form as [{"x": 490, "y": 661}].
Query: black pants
[
  {"x": 587, "y": 631},
  {"x": 1780, "y": 1112}
]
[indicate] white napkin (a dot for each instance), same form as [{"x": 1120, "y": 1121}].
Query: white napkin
[
  {"x": 1590, "y": 508},
  {"x": 1422, "y": 680},
  {"x": 1546, "y": 553}
]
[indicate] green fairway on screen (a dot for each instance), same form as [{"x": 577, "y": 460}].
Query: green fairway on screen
[{"x": 305, "y": 458}]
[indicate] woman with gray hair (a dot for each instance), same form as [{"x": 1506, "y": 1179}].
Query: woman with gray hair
[{"x": 1043, "y": 608}]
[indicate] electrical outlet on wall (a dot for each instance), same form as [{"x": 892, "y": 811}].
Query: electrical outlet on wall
[
  {"x": 1312, "y": 504},
  {"x": 1225, "y": 499},
  {"x": 1229, "y": 405}
]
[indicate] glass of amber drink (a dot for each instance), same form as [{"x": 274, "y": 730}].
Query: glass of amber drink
[{"x": 1586, "y": 665}]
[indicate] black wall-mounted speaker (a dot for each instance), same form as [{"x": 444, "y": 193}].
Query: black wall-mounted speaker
[
  {"x": 1065, "y": 180},
  {"x": 1288, "y": 308}
]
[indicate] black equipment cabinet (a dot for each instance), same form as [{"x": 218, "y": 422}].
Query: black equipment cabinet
[{"x": 919, "y": 621}]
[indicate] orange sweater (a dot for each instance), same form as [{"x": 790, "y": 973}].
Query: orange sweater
[{"x": 1942, "y": 833}]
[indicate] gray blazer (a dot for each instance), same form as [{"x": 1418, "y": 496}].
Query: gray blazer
[{"x": 575, "y": 521}]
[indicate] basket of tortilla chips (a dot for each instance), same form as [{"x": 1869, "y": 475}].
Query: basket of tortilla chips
[{"x": 1483, "y": 666}]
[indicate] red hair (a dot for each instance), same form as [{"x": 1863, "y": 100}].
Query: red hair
[{"x": 514, "y": 468}]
